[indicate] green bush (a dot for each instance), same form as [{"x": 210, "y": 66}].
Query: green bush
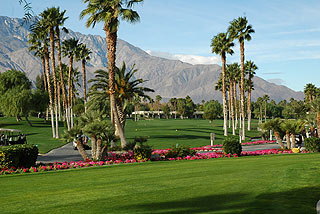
[
  {"x": 312, "y": 144},
  {"x": 180, "y": 151},
  {"x": 130, "y": 146},
  {"x": 231, "y": 146},
  {"x": 24, "y": 155},
  {"x": 142, "y": 152}
]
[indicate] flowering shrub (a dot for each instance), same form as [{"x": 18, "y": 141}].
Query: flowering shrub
[{"x": 179, "y": 151}]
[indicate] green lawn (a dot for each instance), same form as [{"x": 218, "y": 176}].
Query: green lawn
[
  {"x": 264, "y": 184},
  {"x": 166, "y": 133},
  {"x": 40, "y": 133},
  {"x": 161, "y": 133}
]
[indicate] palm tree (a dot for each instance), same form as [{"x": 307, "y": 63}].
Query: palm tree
[
  {"x": 240, "y": 30},
  {"x": 70, "y": 49},
  {"x": 265, "y": 99},
  {"x": 126, "y": 89},
  {"x": 48, "y": 16},
  {"x": 232, "y": 71},
  {"x": 83, "y": 55},
  {"x": 39, "y": 36},
  {"x": 173, "y": 102},
  {"x": 275, "y": 126},
  {"x": 315, "y": 106},
  {"x": 58, "y": 20},
  {"x": 222, "y": 45},
  {"x": 109, "y": 12},
  {"x": 260, "y": 102},
  {"x": 310, "y": 91},
  {"x": 250, "y": 69}
]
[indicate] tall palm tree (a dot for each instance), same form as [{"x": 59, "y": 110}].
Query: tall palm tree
[
  {"x": 222, "y": 45},
  {"x": 310, "y": 91},
  {"x": 265, "y": 99},
  {"x": 58, "y": 20},
  {"x": 48, "y": 16},
  {"x": 232, "y": 70},
  {"x": 240, "y": 30},
  {"x": 260, "y": 102},
  {"x": 250, "y": 69},
  {"x": 83, "y": 56},
  {"x": 109, "y": 12},
  {"x": 39, "y": 36},
  {"x": 70, "y": 49}
]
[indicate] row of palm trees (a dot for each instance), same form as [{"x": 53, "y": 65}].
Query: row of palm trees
[
  {"x": 45, "y": 42},
  {"x": 232, "y": 80},
  {"x": 222, "y": 44}
]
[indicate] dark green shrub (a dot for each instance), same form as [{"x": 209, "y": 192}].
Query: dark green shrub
[
  {"x": 142, "y": 152},
  {"x": 180, "y": 151},
  {"x": 231, "y": 146},
  {"x": 140, "y": 139},
  {"x": 130, "y": 146},
  {"x": 24, "y": 155},
  {"x": 312, "y": 144}
]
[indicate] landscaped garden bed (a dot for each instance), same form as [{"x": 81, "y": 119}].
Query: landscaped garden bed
[{"x": 157, "y": 155}]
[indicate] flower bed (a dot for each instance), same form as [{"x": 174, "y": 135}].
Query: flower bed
[{"x": 124, "y": 158}]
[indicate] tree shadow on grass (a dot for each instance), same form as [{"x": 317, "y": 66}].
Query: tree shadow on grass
[{"x": 296, "y": 201}]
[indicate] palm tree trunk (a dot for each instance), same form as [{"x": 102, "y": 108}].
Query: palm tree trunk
[
  {"x": 64, "y": 96},
  {"x": 229, "y": 107},
  {"x": 54, "y": 80},
  {"x": 239, "y": 106},
  {"x": 224, "y": 101},
  {"x": 93, "y": 147},
  {"x": 293, "y": 137},
  {"x": 111, "y": 46},
  {"x": 69, "y": 90},
  {"x": 279, "y": 141},
  {"x": 82, "y": 151},
  {"x": 50, "y": 93},
  {"x": 99, "y": 149},
  {"x": 84, "y": 85},
  {"x": 59, "y": 103},
  {"x": 249, "y": 106},
  {"x": 265, "y": 111},
  {"x": 288, "y": 140},
  {"x": 318, "y": 123},
  {"x": 236, "y": 104},
  {"x": 232, "y": 108},
  {"x": 44, "y": 73},
  {"x": 242, "y": 90}
]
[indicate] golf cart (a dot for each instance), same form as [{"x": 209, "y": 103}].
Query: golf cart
[
  {"x": 11, "y": 137},
  {"x": 83, "y": 139}
]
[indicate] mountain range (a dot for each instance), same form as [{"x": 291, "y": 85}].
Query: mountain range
[{"x": 169, "y": 78}]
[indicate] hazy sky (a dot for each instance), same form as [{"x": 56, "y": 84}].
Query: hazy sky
[{"x": 286, "y": 45}]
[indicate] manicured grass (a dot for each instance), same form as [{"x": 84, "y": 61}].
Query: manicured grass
[
  {"x": 39, "y": 134},
  {"x": 166, "y": 133},
  {"x": 161, "y": 133},
  {"x": 264, "y": 184}
]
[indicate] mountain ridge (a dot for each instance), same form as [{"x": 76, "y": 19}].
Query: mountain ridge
[{"x": 169, "y": 78}]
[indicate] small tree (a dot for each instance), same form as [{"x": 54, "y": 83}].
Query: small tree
[
  {"x": 212, "y": 110},
  {"x": 275, "y": 126}
]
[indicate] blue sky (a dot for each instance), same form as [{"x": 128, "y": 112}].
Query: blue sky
[{"x": 286, "y": 45}]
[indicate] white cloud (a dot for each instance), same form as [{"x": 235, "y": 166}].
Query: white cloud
[
  {"x": 192, "y": 59},
  {"x": 277, "y": 81}
]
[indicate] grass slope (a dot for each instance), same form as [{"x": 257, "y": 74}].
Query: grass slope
[{"x": 269, "y": 184}]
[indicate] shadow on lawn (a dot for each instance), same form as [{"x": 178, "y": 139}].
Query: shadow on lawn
[{"x": 297, "y": 201}]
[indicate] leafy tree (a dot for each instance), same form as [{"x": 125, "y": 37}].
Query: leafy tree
[
  {"x": 166, "y": 110},
  {"x": 212, "y": 110},
  {"x": 15, "y": 94},
  {"x": 109, "y": 12},
  {"x": 185, "y": 107}
]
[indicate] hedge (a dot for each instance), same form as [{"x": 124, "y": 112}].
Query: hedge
[{"x": 24, "y": 155}]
